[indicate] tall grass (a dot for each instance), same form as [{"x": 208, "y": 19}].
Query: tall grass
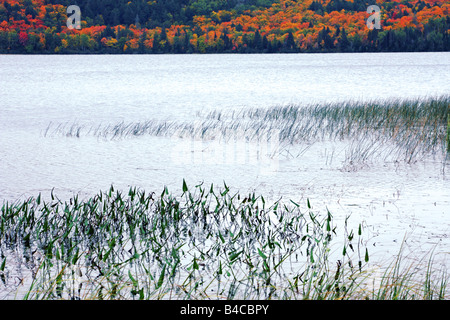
[
  {"x": 448, "y": 131},
  {"x": 413, "y": 280},
  {"x": 410, "y": 127},
  {"x": 400, "y": 130},
  {"x": 206, "y": 243}
]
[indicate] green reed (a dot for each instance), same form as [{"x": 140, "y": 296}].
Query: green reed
[
  {"x": 205, "y": 243},
  {"x": 448, "y": 131},
  {"x": 410, "y": 128},
  {"x": 401, "y": 130}
]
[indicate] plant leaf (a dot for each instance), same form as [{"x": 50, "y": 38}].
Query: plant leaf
[
  {"x": 161, "y": 277},
  {"x": 2, "y": 267},
  {"x": 262, "y": 254}
]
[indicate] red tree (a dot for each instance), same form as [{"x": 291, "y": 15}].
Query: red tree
[{"x": 23, "y": 38}]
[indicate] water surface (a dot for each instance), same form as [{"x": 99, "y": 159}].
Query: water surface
[{"x": 392, "y": 199}]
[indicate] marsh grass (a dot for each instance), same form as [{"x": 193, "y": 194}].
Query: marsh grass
[
  {"x": 409, "y": 279},
  {"x": 448, "y": 131},
  {"x": 206, "y": 243},
  {"x": 407, "y": 128},
  {"x": 393, "y": 130}
]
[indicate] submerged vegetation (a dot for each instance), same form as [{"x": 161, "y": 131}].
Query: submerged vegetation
[
  {"x": 204, "y": 244},
  {"x": 393, "y": 130}
]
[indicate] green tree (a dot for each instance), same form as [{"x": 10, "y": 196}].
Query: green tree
[
  {"x": 258, "y": 41},
  {"x": 289, "y": 44},
  {"x": 84, "y": 42},
  {"x": 343, "y": 42}
]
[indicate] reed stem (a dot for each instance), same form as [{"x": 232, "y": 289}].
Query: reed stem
[{"x": 448, "y": 132}]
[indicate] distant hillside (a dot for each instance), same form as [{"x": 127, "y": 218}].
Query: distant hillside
[{"x": 222, "y": 26}]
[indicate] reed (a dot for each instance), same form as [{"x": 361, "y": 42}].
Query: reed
[
  {"x": 408, "y": 129},
  {"x": 204, "y": 243},
  {"x": 413, "y": 280},
  {"x": 448, "y": 131}
]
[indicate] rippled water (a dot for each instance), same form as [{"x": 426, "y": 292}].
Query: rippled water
[{"x": 392, "y": 199}]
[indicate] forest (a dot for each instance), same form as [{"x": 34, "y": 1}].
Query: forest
[{"x": 223, "y": 26}]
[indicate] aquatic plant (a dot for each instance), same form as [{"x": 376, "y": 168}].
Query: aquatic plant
[
  {"x": 394, "y": 130},
  {"x": 206, "y": 243},
  {"x": 448, "y": 131},
  {"x": 413, "y": 280}
]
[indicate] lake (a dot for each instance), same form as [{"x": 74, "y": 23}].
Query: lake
[{"x": 43, "y": 96}]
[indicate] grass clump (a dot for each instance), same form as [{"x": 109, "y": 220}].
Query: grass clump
[
  {"x": 415, "y": 280},
  {"x": 203, "y": 244},
  {"x": 411, "y": 128},
  {"x": 397, "y": 130},
  {"x": 448, "y": 132}
]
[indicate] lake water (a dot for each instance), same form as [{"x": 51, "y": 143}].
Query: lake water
[{"x": 392, "y": 199}]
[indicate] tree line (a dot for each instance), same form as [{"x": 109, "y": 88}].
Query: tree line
[{"x": 237, "y": 26}]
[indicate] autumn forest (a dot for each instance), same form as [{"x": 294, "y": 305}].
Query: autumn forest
[{"x": 222, "y": 26}]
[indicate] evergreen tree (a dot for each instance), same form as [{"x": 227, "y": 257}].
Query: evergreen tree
[
  {"x": 343, "y": 42},
  {"x": 290, "y": 45},
  {"x": 324, "y": 39},
  {"x": 257, "y": 41}
]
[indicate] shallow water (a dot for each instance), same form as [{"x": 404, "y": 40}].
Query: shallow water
[{"x": 393, "y": 200}]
